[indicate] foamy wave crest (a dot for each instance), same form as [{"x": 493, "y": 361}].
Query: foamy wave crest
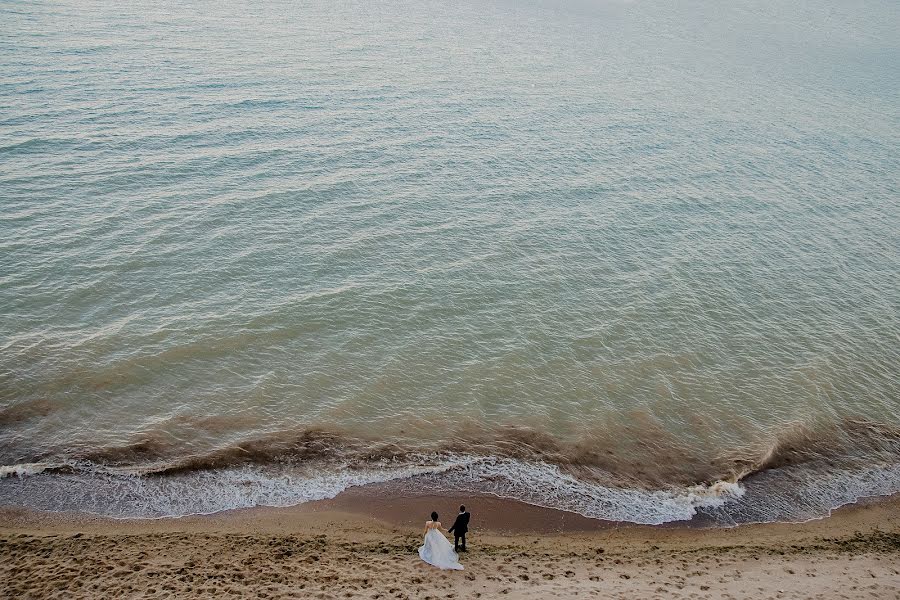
[
  {"x": 121, "y": 494},
  {"x": 803, "y": 493},
  {"x": 786, "y": 494},
  {"x": 546, "y": 485},
  {"x": 21, "y": 470},
  {"x": 797, "y": 487}
]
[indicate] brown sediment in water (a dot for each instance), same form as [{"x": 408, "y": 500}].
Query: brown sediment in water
[
  {"x": 637, "y": 455},
  {"x": 364, "y": 546}
]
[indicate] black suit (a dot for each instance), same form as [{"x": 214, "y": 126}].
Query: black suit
[{"x": 459, "y": 529}]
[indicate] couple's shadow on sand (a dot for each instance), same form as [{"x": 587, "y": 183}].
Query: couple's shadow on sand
[{"x": 436, "y": 549}]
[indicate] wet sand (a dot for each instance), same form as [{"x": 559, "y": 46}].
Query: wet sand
[{"x": 362, "y": 545}]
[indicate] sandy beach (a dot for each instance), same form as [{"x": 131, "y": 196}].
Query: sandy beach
[{"x": 360, "y": 545}]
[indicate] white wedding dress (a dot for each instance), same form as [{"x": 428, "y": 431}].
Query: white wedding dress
[{"x": 437, "y": 550}]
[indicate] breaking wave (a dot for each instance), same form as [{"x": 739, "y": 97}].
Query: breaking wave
[
  {"x": 804, "y": 474},
  {"x": 639, "y": 457}
]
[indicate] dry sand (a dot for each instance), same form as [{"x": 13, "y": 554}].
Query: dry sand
[{"x": 364, "y": 546}]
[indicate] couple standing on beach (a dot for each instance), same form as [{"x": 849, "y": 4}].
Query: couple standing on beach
[{"x": 436, "y": 549}]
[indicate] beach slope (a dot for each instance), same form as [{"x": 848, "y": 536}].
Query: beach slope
[{"x": 346, "y": 548}]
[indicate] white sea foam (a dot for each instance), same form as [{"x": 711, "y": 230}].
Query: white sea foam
[
  {"x": 123, "y": 494},
  {"x": 784, "y": 495},
  {"x": 21, "y": 470},
  {"x": 546, "y": 485}
]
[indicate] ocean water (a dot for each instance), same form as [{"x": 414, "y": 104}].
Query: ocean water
[{"x": 635, "y": 259}]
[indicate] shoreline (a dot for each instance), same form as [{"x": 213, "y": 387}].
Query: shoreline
[
  {"x": 363, "y": 546},
  {"x": 401, "y": 509},
  {"x": 510, "y": 516},
  {"x": 493, "y": 516}
]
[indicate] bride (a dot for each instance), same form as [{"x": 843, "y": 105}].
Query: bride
[{"x": 437, "y": 550}]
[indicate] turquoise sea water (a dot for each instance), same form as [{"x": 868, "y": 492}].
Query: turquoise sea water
[{"x": 637, "y": 260}]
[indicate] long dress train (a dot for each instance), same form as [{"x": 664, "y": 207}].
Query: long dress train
[{"x": 437, "y": 551}]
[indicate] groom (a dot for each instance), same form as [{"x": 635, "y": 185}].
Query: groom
[{"x": 459, "y": 529}]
